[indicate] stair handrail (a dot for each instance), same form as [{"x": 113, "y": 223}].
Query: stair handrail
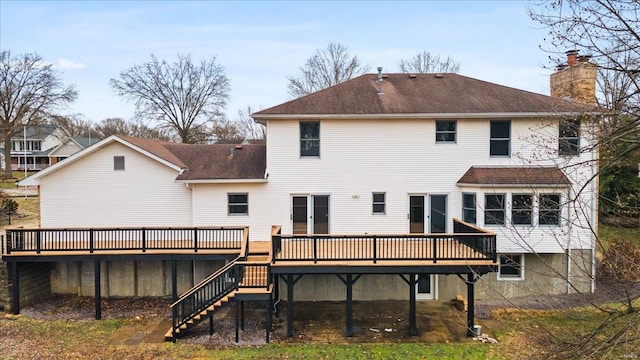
[{"x": 206, "y": 281}]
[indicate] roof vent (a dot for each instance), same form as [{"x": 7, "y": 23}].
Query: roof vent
[
  {"x": 413, "y": 76},
  {"x": 438, "y": 76}
]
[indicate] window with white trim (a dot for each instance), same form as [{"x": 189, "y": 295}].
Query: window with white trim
[
  {"x": 379, "y": 203},
  {"x": 569, "y": 137},
  {"x": 446, "y": 131},
  {"x": 469, "y": 207},
  {"x": 238, "y": 203},
  {"x": 549, "y": 209},
  {"x": 500, "y": 143},
  {"x": 494, "y": 209},
  {"x": 511, "y": 267},
  {"x": 522, "y": 209},
  {"x": 309, "y": 138},
  {"x": 118, "y": 163}
]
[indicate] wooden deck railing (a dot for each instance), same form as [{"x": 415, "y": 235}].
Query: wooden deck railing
[
  {"x": 467, "y": 243},
  {"x": 124, "y": 239}
]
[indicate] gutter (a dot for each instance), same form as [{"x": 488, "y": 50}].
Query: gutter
[{"x": 494, "y": 115}]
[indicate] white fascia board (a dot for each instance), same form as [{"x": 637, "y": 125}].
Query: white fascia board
[
  {"x": 223, "y": 181},
  {"x": 35, "y": 179},
  {"x": 499, "y": 186},
  {"x": 421, "y": 116}
]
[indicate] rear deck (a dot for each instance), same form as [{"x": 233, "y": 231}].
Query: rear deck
[{"x": 469, "y": 252}]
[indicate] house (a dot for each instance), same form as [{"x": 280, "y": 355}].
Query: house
[
  {"x": 42, "y": 146},
  {"x": 424, "y": 176}
]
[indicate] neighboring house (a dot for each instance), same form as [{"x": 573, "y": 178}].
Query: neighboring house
[
  {"x": 44, "y": 146},
  {"x": 378, "y": 154}
]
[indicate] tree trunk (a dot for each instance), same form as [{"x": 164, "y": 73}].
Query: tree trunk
[{"x": 7, "y": 156}]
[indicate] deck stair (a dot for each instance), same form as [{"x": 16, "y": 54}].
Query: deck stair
[{"x": 246, "y": 274}]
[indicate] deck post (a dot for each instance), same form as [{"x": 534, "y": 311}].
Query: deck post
[
  {"x": 412, "y": 305},
  {"x": 242, "y": 315},
  {"x": 471, "y": 309},
  {"x": 349, "y": 283},
  {"x": 174, "y": 280},
  {"x": 237, "y": 306},
  {"x": 96, "y": 284},
  {"x": 15, "y": 289},
  {"x": 290, "y": 284},
  {"x": 267, "y": 324}
]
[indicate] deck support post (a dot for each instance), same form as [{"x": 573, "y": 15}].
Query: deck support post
[
  {"x": 290, "y": 281},
  {"x": 267, "y": 324},
  {"x": 96, "y": 292},
  {"x": 412, "y": 305},
  {"x": 290, "y": 284},
  {"x": 237, "y": 306},
  {"x": 242, "y": 315},
  {"x": 349, "y": 283},
  {"x": 15, "y": 288},
  {"x": 174, "y": 280},
  {"x": 471, "y": 309}
]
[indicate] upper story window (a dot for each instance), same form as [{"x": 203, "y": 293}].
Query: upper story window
[
  {"x": 494, "y": 208},
  {"x": 500, "y": 143},
  {"x": 118, "y": 163},
  {"x": 31, "y": 145},
  {"x": 309, "y": 138},
  {"x": 445, "y": 131},
  {"x": 522, "y": 209},
  {"x": 469, "y": 208},
  {"x": 238, "y": 204},
  {"x": 379, "y": 202},
  {"x": 549, "y": 209},
  {"x": 569, "y": 137}
]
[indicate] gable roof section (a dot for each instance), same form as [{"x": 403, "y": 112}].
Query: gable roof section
[
  {"x": 421, "y": 95},
  {"x": 514, "y": 176},
  {"x": 221, "y": 162},
  {"x": 193, "y": 163}
]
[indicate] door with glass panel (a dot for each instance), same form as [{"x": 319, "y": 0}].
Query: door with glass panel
[{"x": 310, "y": 214}]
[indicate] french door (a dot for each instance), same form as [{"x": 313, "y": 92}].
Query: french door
[
  {"x": 427, "y": 214},
  {"x": 310, "y": 214}
]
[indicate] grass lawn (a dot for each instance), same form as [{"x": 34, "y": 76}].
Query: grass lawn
[{"x": 11, "y": 183}]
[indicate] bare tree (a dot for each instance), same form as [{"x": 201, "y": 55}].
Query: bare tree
[
  {"x": 609, "y": 33},
  {"x": 135, "y": 128},
  {"x": 30, "y": 92},
  {"x": 181, "y": 96},
  {"x": 424, "y": 62},
  {"x": 227, "y": 132},
  {"x": 73, "y": 125},
  {"x": 325, "y": 68},
  {"x": 253, "y": 132}
]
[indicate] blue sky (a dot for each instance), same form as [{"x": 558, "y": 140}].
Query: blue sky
[{"x": 260, "y": 44}]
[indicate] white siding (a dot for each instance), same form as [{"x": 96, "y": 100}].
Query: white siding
[
  {"x": 67, "y": 149},
  {"x": 89, "y": 193},
  {"x": 400, "y": 158}
]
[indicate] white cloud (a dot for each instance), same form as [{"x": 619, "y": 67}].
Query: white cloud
[{"x": 65, "y": 64}]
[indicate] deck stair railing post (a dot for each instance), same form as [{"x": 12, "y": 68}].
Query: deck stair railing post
[
  {"x": 375, "y": 249},
  {"x": 143, "y": 234},
  {"x": 195, "y": 239}
]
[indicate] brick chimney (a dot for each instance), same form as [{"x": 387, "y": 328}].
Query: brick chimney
[{"x": 575, "y": 80}]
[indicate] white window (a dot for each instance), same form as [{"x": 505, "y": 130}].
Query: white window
[
  {"x": 522, "y": 209},
  {"x": 511, "y": 267},
  {"x": 309, "y": 138},
  {"x": 500, "y": 143},
  {"x": 238, "y": 204},
  {"x": 445, "y": 131},
  {"x": 118, "y": 163},
  {"x": 379, "y": 203}
]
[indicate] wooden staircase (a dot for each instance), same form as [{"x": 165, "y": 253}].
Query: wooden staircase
[{"x": 244, "y": 275}]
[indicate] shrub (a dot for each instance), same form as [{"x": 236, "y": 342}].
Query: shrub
[{"x": 621, "y": 259}]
